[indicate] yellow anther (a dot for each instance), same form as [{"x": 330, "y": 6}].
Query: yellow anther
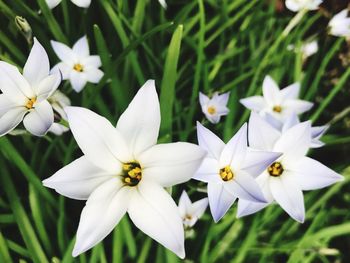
[
  {"x": 132, "y": 173},
  {"x": 127, "y": 180},
  {"x": 30, "y": 103},
  {"x": 211, "y": 110},
  {"x": 275, "y": 169},
  {"x": 78, "y": 67},
  {"x": 226, "y": 173},
  {"x": 277, "y": 109}
]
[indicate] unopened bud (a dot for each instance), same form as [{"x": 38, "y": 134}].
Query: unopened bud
[{"x": 24, "y": 27}]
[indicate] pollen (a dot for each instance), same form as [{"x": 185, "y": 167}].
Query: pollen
[
  {"x": 30, "y": 103},
  {"x": 275, "y": 169},
  {"x": 226, "y": 173},
  {"x": 132, "y": 173},
  {"x": 277, "y": 109},
  {"x": 78, "y": 67},
  {"x": 211, "y": 110}
]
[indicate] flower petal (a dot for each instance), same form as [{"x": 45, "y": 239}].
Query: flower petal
[
  {"x": 37, "y": 66},
  {"x": 172, "y": 163},
  {"x": 11, "y": 119},
  {"x": 155, "y": 213},
  {"x": 271, "y": 91},
  {"x": 47, "y": 86},
  {"x": 81, "y": 47},
  {"x": 92, "y": 61},
  {"x": 198, "y": 208},
  {"x": 94, "y": 75},
  {"x": 203, "y": 99},
  {"x": 220, "y": 200},
  {"x": 82, "y": 3},
  {"x": 289, "y": 196},
  {"x": 64, "y": 53},
  {"x": 184, "y": 204},
  {"x": 78, "y": 179},
  {"x": 103, "y": 210},
  {"x": 291, "y": 91},
  {"x": 261, "y": 134},
  {"x": 297, "y": 106},
  {"x": 53, "y": 3},
  {"x": 63, "y": 69},
  {"x": 208, "y": 141},
  {"x": 102, "y": 144},
  {"x": 246, "y": 207},
  {"x": 39, "y": 120},
  {"x": 140, "y": 122},
  {"x": 311, "y": 174},
  {"x": 5, "y": 104},
  {"x": 77, "y": 80},
  {"x": 208, "y": 171},
  {"x": 254, "y": 103}
]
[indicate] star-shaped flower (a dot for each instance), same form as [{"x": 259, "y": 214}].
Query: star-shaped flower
[
  {"x": 76, "y": 64},
  {"x": 340, "y": 24},
  {"x": 298, "y": 5},
  {"x": 279, "y": 103},
  {"x": 230, "y": 169},
  {"x": 285, "y": 179},
  {"x": 80, "y": 3},
  {"x": 191, "y": 212},
  {"x": 24, "y": 97},
  {"x": 215, "y": 107},
  {"x": 123, "y": 170}
]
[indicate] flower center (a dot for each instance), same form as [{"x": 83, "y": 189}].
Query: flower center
[
  {"x": 30, "y": 103},
  {"x": 275, "y": 169},
  {"x": 78, "y": 67},
  {"x": 188, "y": 217},
  {"x": 132, "y": 173},
  {"x": 211, "y": 110},
  {"x": 277, "y": 109},
  {"x": 226, "y": 173}
]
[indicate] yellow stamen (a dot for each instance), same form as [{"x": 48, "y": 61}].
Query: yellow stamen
[
  {"x": 275, "y": 169},
  {"x": 30, "y": 103},
  {"x": 226, "y": 173},
  {"x": 211, "y": 110},
  {"x": 78, "y": 67},
  {"x": 132, "y": 173},
  {"x": 277, "y": 109}
]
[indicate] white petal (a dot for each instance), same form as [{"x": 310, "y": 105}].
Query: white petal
[
  {"x": 208, "y": 171},
  {"x": 78, "y": 80},
  {"x": 203, "y": 99},
  {"x": 289, "y": 196},
  {"x": 163, "y": 4},
  {"x": 53, "y": 3},
  {"x": 5, "y": 104},
  {"x": 257, "y": 161},
  {"x": 103, "y": 211},
  {"x": 82, "y": 3},
  {"x": 295, "y": 142},
  {"x": 220, "y": 200},
  {"x": 92, "y": 61},
  {"x": 172, "y": 163},
  {"x": 102, "y": 144},
  {"x": 290, "y": 122},
  {"x": 246, "y": 208},
  {"x": 39, "y": 120},
  {"x": 94, "y": 75},
  {"x": 245, "y": 187},
  {"x": 184, "y": 204},
  {"x": 255, "y": 103},
  {"x": 261, "y": 134},
  {"x": 213, "y": 118},
  {"x": 141, "y": 120},
  {"x": 291, "y": 91},
  {"x": 199, "y": 207},
  {"x": 13, "y": 84},
  {"x": 311, "y": 174},
  {"x": 37, "y": 66},
  {"x": 235, "y": 150},
  {"x": 63, "y": 69},
  {"x": 47, "y": 86},
  {"x": 58, "y": 129},
  {"x": 208, "y": 141},
  {"x": 11, "y": 119},
  {"x": 154, "y": 212},
  {"x": 271, "y": 91},
  {"x": 318, "y": 131},
  {"x": 297, "y": 106},
  {"x": 222, "y": 99},
  {"x": 78, "y": 179},
  {"x": 81, "y": 47},
  {"x": 293, "y": 5},
  {"x": 64, "y": 52}
]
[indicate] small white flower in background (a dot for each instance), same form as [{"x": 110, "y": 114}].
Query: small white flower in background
[
  {"x": 191, "y": 212},
  {"x": 58, "y": 102},
  {"x": 279, "y": 103},
  {"x": 124, "y": 171},
  {"x": 298, "y": 5},
  {"x": 340, "y": 24},
  {"x": 80, "y": 3},
  {"x": 230, "y": 169},
  {"x": 285, "y": 179},
  {"x": 163, "y": 3},
  {"x": 24, "y": 97},
  {"x": 307, "y": 49},
  {"x": 76, "y": 64},
  {"x": 215, "y": 107}
]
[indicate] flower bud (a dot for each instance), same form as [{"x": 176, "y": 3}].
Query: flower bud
[{"x": 24, "y": 27}]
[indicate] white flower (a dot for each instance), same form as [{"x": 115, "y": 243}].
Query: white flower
[
  {"x": 230, "y": 169},
  {"x": 292, "y": 173},
  {"x": 279, "y": 103},
  {"x": 163, "y": 3},
  {"x": 124, "y": 171},
  {"x": 58, "y": 102},
  {"x": 307, "y": 49},
  {"x": 80, "y": 3},
  {"x": 191, "y": 212},
  {"x": 76, "y": 64},
  {"x": 24, "y": 97},
  {"x": 298, "y": 5},
  {"x": 215, "y": 107},
  {"x": 340, "y": 24}
]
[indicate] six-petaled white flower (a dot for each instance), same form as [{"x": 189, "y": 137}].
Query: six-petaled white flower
[
  {"x": 58, "y": 102},
  {"x": 340, "y": 24},
  {"x": 76, "y": 64},
  {"x": 285, "y": 179},
  {"x": 124, "y": 171},
  {"x": 215, "y": 107},
  {"x": 230, "y": 169},
  {"x": 279, "y": 103},
  {"x": 191, "y": 212},
  {"x": 24, "y": 97},
  {"x": 80, "y": 3},
  {"x": 298, "y": 5}
]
